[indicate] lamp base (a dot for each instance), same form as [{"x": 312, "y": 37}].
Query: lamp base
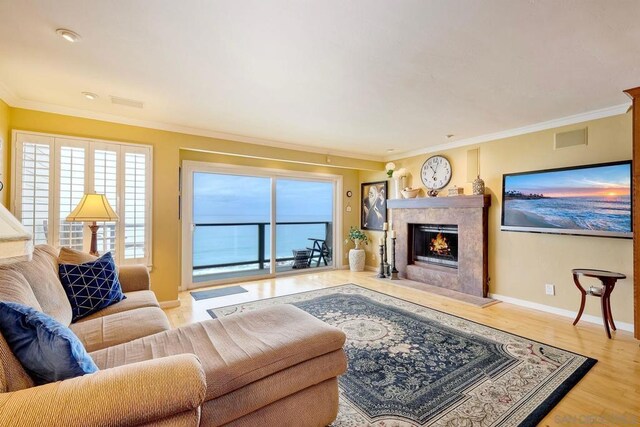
[{"x": 94, "y": 239}]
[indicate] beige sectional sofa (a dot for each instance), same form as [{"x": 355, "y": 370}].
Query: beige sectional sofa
[{"x": 276, "y": 366}]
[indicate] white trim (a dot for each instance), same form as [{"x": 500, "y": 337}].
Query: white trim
[
  {"x": 16, "y": 102},
  {"x": 169, "y": 304},
  {"x": 559, "y": 311},
  {"x": 550, "y": 124},
  {"x": 188, "y": 167}
]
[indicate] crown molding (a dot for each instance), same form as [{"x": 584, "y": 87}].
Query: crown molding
[
  {"x": 555, "y": 123},
  {"x": 17, "y": 102},
  {"x": 14, "y": 101}
]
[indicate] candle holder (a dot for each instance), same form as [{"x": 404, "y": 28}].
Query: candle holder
[
  {"x": 394, "y": 271},
  {"x": 387, "y": 267},
  {"x": 381, "y": 269}
]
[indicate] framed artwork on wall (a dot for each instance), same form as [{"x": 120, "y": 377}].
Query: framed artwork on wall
[{"x": 374, "y": 205}]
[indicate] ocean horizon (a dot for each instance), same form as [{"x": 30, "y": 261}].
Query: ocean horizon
[{"x": 604, "y": 213}]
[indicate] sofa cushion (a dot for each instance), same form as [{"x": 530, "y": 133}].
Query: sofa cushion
[
  {"x": 15, "y": 288},
  {"x": 118, "y": 328},
  {"x": 48, "y": 350},
  {"x": 72, "y": 256},
  {"x": 138, "y": 299},
  {"x": 13, "y": 377},
  {"x": 42, "y": 275},
  {"x": 236, "y": 350},
  {"x": 91, "y": 286}
]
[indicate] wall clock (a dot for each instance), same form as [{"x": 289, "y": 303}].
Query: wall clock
[{"x": 435, "y": 174}]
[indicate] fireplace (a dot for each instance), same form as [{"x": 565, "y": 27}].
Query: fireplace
[
  {"x": 456, "y": 259},
  {"x": 436, "y": 244}
]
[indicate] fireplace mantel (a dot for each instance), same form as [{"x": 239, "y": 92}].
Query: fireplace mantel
[
  {"x": 470, "y": 215},
  {"x": 441, "y": 202}
]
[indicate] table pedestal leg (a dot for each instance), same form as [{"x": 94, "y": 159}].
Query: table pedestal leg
[
  {"x": 583, "y": 295},
  {"x": 605, "y": 317},
  {"x": 613, "y": 325}
]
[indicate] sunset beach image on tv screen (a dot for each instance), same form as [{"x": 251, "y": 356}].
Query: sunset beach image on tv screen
[{"x": 594, "y": 198}]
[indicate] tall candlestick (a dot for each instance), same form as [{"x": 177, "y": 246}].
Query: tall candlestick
[
  {"x": 394, "y": 271},
  {"x": 385, "y": 226},
  {"x": 382, "y": 241},
  {"x": 380, "y": 274},
  {"x": 387, "y": 269},
  {"x": 392, "y": 234}
]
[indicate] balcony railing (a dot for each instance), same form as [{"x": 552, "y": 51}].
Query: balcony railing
[{"x": 254, "y": 254}]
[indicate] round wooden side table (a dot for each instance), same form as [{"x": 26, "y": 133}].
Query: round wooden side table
[{"x": 608, "y": 279}]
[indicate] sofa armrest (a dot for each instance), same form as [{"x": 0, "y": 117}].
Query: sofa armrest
[
  {"x": 134, "y": 278},
  {"x": 127, "y": 395}
]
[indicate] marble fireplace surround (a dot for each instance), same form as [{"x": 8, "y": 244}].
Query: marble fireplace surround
[{"x": 470, "y": 214}]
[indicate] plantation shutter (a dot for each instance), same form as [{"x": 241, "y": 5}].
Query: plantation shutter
[
  {"x": 106, "y": 181},
  {"x": 34, "y": 179},
  {"x": 50, "y": 176},
  {"x": 71, "y": 183},
  {"x": 135, "y": 205}
]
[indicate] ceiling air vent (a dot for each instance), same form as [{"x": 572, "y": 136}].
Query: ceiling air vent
[
  {"x": 126, "y": 102},
  {"x": 571, "y": 138}
]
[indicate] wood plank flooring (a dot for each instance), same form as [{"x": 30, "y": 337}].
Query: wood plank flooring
[{"x": 608, "y": 395}]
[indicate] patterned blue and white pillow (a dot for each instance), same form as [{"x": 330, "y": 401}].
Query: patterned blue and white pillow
[{"x": 91, "y": 286}]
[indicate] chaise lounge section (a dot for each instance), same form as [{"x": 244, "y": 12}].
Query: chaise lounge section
[{"x": 275, "y": 366}]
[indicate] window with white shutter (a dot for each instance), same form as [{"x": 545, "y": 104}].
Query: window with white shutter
[
  {"x": 105, "y": 181},
  {"x": 50, "y": 175},
  {"x": 71, "y": 187},
  {"x": 34, "y": 186},
  {"x": 135, "y": 185}
]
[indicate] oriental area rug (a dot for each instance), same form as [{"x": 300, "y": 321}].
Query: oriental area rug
[{"x": 410, "y": 365}]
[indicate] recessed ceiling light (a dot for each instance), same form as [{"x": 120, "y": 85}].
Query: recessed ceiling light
[
  {"x": 390, "y": 150},
  {"x": 68, "y": 35},
  {"x": 449, "y": 136},
  {"x": 90, "y": 95}
]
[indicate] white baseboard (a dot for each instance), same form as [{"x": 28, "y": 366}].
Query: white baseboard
[
  {"x": 560, "y": 311},
  {"x": 170, "y": 304}
]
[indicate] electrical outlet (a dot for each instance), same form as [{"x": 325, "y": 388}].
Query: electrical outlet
[{"x": 550, "y": 289}]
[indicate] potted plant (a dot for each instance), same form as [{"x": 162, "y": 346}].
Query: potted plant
[{"x": 357, "y": 255}]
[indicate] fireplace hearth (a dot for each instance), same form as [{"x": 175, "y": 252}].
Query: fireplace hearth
[{"x": 436, "y": 244}]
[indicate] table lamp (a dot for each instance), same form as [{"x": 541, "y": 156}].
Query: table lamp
[{"x": 92, "y": 208}]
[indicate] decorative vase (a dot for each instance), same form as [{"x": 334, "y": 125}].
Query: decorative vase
[
  {"x": 398, "y": 186},
  {"x": 478, "y": 186},
  {"x": 356, "y": 259},
  {"x": 358, "y": 243}
]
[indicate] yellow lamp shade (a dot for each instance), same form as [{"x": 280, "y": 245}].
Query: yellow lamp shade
[{"x": 93, "y": 207}]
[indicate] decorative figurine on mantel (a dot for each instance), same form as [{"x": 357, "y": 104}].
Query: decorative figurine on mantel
[
  {"x": 478, "y": 183},
  {"x": 456, "y": 191}
]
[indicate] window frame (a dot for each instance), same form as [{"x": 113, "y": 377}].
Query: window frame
[{"x": 55, "y": 141}]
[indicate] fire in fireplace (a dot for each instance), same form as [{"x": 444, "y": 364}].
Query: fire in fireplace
[{"x": 436, "y": 244}]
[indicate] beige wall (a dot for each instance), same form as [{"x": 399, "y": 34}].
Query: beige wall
[
  {"x": 5, "y": 132},
  {"x": 167, "y": 147},
  {"x": 520, "y": 264}
]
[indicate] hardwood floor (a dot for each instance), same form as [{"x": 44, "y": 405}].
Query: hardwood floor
[{"x": 608, "y": 395}]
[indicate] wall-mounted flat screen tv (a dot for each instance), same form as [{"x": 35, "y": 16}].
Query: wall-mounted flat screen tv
[{"x": 593, "y": 200}]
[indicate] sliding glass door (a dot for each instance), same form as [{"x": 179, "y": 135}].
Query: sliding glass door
[
  {"x": 227, "y": 233},
  {"x": 304, "y": 223},
  {"x": 231, "y": 217}
]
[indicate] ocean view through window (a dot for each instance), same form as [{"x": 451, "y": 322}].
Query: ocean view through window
[{"x": 232, "y": 225}]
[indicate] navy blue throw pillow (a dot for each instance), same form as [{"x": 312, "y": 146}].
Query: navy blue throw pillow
[
  {"x": 47, "y": 350},
  {"x": 91, "y": 286}
]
